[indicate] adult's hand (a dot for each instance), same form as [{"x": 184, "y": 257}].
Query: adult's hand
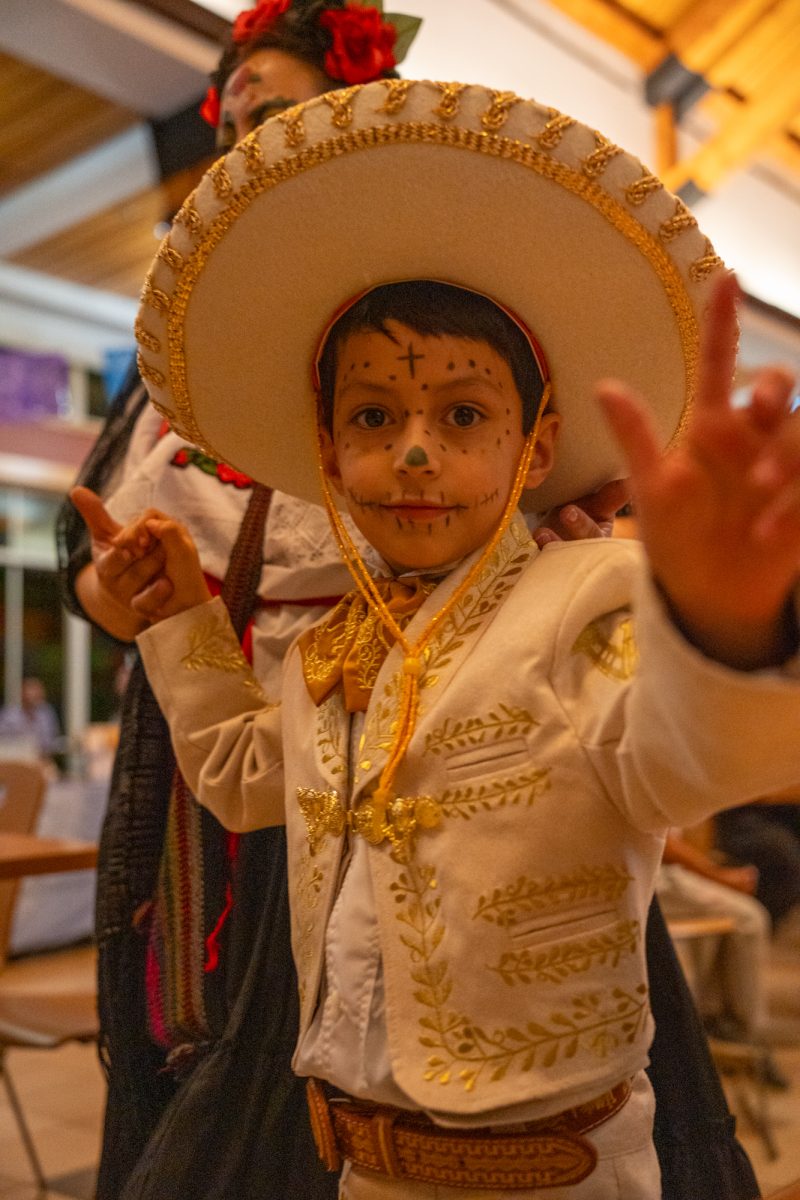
[{"x": 587, "y": 517}]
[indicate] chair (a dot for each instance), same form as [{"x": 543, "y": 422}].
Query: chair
[{"x": 45, "y": 999}]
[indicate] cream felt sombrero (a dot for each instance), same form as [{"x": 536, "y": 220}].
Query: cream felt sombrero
[{"x": 398, "y": 180}]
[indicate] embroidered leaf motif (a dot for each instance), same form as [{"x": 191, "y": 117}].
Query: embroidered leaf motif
[
  {"x": 557, "y": 962},
  {"x": 503, "y": 722},
  {"x": 496, "y": 793},
  {"x": 213, "y": 646},
  {"x": 507, "y": 906},
  {"x": 596, "y": 1022}
]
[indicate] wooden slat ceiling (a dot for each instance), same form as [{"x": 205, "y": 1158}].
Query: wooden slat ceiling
[
  {"x": 44, "y": 122},
  {"x": 747, "y": 51}
]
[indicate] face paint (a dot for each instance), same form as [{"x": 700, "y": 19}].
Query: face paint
[{"x": 416, "y": 457}]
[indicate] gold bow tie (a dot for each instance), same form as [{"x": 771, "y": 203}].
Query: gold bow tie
[{"x": 351, "y": 643}]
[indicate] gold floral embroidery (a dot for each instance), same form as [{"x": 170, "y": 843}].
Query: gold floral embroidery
[
  {"x": 250, "y": 149},
  {"x": 503, "y": 722},
  {"x": 496, "y": 793},
  {"x": 307, "y": 893},
  {"x": 323, "y": 813},
  {"x": 496, "y": 115},
  {"x": 498, "y": 577},
  {"x": 330, "y": 735},
  {"x": 508, "y": 906},
  {"x": 616, "y": 656},
  {"x": 213, "y": 646},
  {"x": 467, "y": 1054},
  {"x": 554, "y": 963}
]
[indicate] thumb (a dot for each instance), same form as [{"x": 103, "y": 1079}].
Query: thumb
[{"x": 99, "y": 521}]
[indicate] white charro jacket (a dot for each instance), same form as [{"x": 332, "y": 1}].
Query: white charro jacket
[{"x": 541, "y": 777}]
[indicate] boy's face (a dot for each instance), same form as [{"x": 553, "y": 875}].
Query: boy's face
[{"x": 427, "y": 436}]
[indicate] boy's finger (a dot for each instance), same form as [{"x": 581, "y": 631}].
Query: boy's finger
[
  {"x": 631, "y": 426},
  {"x": 151, "y": 599},
  {"x": 718, "y": 343},
  {"x": 771, "y": 396},
  {"x": 98, "y": 520}
]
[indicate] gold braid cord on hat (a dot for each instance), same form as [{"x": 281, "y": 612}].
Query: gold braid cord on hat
[{"x": 408, "y": 708}]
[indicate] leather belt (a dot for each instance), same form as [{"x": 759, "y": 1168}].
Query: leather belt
[{"x": 407, "y": 1145}]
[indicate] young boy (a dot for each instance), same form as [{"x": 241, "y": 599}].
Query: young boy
[{"x": 475, "y": 779}]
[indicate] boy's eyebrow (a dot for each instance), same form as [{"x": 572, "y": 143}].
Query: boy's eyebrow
[
  {"x": 365, "y": 385},
  {"x": 453, "y": 385}
]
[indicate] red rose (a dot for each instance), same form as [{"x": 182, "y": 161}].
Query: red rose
[
  {"x": 253, "y": 21},
  {"x": 209, "y": 109},
  {"x": 226, "y": 474},
  {"x": 362, "y": 43}
]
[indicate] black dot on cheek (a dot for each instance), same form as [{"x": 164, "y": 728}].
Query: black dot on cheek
[
  {"x": 406, "y": 412},
  {"x": 463, "y": 452},
  {"x": 424, "y": 387},
  {"x": 508, "y": 433},
  {"x": 508, "y": 412},
  {"x": 498, "y": 441},
  {"x": 418, "y": 412},
  {"x": 472, "y": 362},
  {"x": 488, "y": 370},
  {"x": 388, "y": 446},
  {"x": 366, "y": 364},
  {"x": 451, "y": 366},
  {"x": 393, "y": 377}
]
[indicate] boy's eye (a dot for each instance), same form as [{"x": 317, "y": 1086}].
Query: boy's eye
[
  {"x": 370, "y": 418},
  {"x": 464, "y": 416}
]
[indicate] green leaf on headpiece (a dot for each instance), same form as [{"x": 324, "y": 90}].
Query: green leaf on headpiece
[{"x": 407, "y": 29}]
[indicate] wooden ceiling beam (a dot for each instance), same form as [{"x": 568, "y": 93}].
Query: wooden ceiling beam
[
  {"x": 709, "y": 28},
  {"x": 622, "y": 30},
  {"x": 745, "y": 132}
]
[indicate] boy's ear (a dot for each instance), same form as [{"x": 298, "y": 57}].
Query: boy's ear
[
  {"x": 330, "y": 463},
  {"x": 544, "y": 454}
]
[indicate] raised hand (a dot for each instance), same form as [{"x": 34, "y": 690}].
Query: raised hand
[
  {"x": 126, "y": 558},
  {"x": 719, "y": 514}
]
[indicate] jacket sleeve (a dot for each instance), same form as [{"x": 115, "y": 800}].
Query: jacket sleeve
[
  {"x": 673, "y": 736},
  {"x": 225, "y": 732}
]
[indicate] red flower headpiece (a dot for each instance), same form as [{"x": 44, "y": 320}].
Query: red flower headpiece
[
  {"x": 365, "y": 45},
  {"x": 209, "y": 109},
  {"x": 253, "y": 21}
]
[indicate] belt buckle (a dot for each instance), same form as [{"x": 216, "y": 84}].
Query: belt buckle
[{"x": 322, "y": 1126}]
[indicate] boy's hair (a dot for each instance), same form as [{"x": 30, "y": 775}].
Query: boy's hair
[{"x": 434, "y": 309}]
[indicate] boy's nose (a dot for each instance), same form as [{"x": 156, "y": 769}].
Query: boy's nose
[{"x": 415, "y": 457}]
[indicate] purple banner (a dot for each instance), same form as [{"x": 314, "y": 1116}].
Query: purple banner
[{"x": 32, "y": 385}]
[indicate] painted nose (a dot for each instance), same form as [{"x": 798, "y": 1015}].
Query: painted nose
[{"x": 415, "y": 458}]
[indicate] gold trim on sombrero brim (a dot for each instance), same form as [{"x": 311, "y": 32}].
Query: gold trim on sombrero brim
[{"x": 624, "y": 284}]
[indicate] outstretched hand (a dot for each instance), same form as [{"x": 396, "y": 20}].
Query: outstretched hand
[{"x": 719, "y": 514}]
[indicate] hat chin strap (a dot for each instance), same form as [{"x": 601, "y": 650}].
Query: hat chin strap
[{"x": 408, "y": 707}]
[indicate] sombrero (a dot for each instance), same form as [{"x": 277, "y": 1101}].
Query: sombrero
[{"x": 399, "y": 180}]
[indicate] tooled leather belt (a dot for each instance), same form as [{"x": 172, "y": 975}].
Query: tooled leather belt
[{"x": 551, "y": 1152}]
